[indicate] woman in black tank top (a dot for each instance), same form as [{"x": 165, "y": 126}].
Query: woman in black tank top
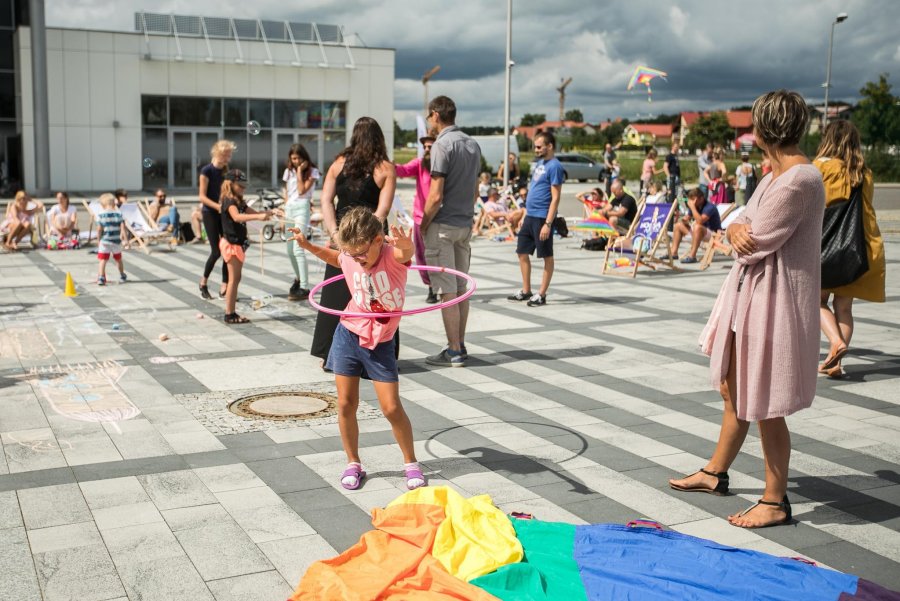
[{"x": 361, "y": 175}]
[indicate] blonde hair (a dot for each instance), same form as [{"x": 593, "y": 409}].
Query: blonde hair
[
  {"x": 840, "y": 140},
  {"x": 107, "y": 200},
  {"x": 221, "y": 147},
  {"x": 228, "y": 191},
  {"x": 780, "y": 118},
  {"x": 20, "y": 195},
  {"x": 359, "y": 226}
]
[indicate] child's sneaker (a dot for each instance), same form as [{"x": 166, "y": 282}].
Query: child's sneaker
[
  {"x": 123, "y": 278},
  {"x": 537, "y": 300},
  {"x": 519, "y": 296},
  {"x": 101, "y": 281}
]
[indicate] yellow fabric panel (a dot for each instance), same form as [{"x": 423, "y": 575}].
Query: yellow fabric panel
[
  {"x": 475, "y": 537},
  {"x": 870, "y": 286}
]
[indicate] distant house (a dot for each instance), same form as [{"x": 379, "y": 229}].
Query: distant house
[
  {"x": 529, "y": 131},
  {"x": 740, "y": 121},
  {"x": 648, "y": 134},
  {"x": 835, "y": 111}
]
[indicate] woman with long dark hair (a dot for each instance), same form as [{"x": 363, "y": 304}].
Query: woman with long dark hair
[
  {"x": 843, "y": 168},
  {"x": 300, "y": 177},
  {"x": 361, "y": 175},
  {"x": 211, "y": 178}
]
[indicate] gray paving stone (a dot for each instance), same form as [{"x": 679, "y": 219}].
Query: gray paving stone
[
  {"x": 164, "y": 579},
  {"x": 10, "y": 515},
  {"x": 341, "y": 526},
  {"x": 293, "y": 556},
  {"x": 849, "y": 558},
  {"x": 144, "y": 542},
  {"x": 115, "y": 492},
  {"x": 264, "y": 586},
  {"x": 228, "y": 477},
  {"x": 172, "y": 490},
  {"x": 217, "y": 546},
  {"x": 53, "y": 506},
  {"x": 18, "y": 580},
  {"x": 286, "y": 474},
  {"x": 78, "y": 574}
]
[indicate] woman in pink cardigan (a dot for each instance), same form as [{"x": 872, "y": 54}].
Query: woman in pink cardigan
[{"x": 763, "y": 334}]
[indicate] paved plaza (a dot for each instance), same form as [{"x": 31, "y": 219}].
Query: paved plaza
[{"x": 124, "y": 475}]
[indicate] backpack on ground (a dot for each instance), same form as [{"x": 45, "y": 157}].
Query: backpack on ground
[
  {"x": 187, "y": 232},
  {"x": 598, "y": 243}
]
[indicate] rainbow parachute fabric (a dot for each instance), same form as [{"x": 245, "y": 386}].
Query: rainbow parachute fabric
[
  {"x": 644, "y": 75},
  {"x": 434, "y": 544}
]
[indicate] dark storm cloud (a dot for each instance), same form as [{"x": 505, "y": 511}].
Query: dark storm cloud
[{"x": 717, "y": 54}]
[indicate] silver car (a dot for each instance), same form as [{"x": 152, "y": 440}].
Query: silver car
[{"x": 580, "y": 167}]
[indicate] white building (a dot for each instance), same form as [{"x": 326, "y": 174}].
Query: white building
[{"x": 141, "y": 110}]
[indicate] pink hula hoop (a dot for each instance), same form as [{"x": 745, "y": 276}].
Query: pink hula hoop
[{"x": 471, "y": 281}]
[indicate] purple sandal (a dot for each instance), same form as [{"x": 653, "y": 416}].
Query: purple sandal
[
  {"x": 414, "y": 473},
  {"x": 355, "y": 470}
]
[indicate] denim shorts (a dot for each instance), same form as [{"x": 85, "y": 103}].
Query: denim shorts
[{"x": 347, "y": 358}]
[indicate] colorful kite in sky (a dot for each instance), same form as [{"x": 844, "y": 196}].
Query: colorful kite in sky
[{"x": 643, "y": 75}]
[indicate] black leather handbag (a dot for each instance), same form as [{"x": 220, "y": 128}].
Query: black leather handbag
[{"x": 844, "y": 256}]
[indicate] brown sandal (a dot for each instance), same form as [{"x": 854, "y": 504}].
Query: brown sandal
[
  {"x": 784, "y": 505},
  {"x": 720, "y": 490},
  {"x": 233, "y": 318}
]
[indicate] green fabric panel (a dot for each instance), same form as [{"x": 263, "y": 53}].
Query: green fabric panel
[{"x": 548, "y": 572}]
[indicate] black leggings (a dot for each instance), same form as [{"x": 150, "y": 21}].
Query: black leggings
[{"x": 212, "y": 221}]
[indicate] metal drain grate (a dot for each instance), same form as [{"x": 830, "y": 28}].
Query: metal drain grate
[{"x": 288, "y": 405}]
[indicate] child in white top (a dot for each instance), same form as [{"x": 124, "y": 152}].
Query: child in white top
[{"x": 300, "y": 176}]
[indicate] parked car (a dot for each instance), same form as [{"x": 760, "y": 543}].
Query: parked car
[{"x": 580, "y": 167}]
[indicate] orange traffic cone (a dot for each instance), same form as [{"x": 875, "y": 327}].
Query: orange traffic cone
[{"x": 70, "y": 286}]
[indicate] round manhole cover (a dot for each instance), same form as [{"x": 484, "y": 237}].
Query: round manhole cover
[{"x": 285, "y": 405}]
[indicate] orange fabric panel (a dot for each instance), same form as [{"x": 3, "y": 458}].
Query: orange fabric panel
[{"x": 390, "y": 563}]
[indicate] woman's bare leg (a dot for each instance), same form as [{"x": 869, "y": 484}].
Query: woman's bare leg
[
  {"x": 732, "y": 433},
  {"x": 776, "y": 446},
  {"x": 830, "y": 326}
]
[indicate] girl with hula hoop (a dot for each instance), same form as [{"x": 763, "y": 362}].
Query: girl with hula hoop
[{"x": 375, "y": 269}]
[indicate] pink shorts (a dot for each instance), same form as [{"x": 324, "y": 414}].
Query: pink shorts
[{"x": 231, "y": 251}]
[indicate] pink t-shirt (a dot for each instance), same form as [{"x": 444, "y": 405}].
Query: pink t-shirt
[
  {"x": 648, "y": 168},
  {"x": 415, "y": 169},
  {"x": 386, "y": 284}
]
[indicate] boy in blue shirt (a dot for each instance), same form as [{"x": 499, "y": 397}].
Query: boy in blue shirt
[
  {"x": 110, "y": 231},
  {"x": 536, "y": 232}
]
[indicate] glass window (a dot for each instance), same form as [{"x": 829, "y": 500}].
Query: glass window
[
  {"x": 235, "y": 112},
  {"x": 6, "y": 13},
  {"x": 7, "y": 96},
  {"x": 155, "y": 160},
  {"x": 298, "y": 114},
  {"x": 334, "y": 115},
  {"x": 195, "y": 111},
  {"x": 261, "y": 112},
  {"x": 260, "y": 151},
  {"x": 6, "y": 50},
  {"x": 154, "y": 110},
  {"x": 335, "y": 141},
  {"x": 239, "y": 156}
]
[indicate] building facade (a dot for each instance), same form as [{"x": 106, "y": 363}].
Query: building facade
[{"x": 140, "y": 110}]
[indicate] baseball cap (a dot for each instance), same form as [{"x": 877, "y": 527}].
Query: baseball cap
[{"x": 235, "y": 175}]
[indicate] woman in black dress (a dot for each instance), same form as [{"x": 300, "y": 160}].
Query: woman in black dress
[
  {"x": 210, "y": 182},
  {"x": 361, "y": 175}
]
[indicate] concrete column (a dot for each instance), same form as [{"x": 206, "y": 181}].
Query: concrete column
[{"x": 40, "y": 97}]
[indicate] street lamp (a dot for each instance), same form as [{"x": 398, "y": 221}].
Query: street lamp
[
  {"x": 428, "y": 75},
  {"x": 839, "y": 19}
]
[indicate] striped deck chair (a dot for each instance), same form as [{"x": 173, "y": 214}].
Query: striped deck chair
[
  {"x": 646, "y": 240},
  {"x": 140, "y": 229}
]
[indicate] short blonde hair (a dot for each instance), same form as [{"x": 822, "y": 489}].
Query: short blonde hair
[
  {"x": 780, "y": 118},
  {"x": 359, "y": 226},
  {"x": 221, "y": 147},
  {"x": 107, "y": 200}
]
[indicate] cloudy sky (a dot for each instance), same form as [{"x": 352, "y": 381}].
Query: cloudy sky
[{"x": 718, "y": 54}]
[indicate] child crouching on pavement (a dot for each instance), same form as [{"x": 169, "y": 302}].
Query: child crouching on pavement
[{"x": 375, "y": 268}]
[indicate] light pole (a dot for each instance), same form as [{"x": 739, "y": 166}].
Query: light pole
[
  {"x": 506, "y": 102},
  {"x": 425, "y": 78},
  {"x": 839, "y": 19}
]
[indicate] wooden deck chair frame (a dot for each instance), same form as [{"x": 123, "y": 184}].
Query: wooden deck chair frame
[
  {"x": 93, "y": 220},
  {"x": 643, "y": 258},
  {"x": 401, "y": 215},
  {"x": 718, "y": 243},
  {"x": 145, "y": 209},
  {"x": 145, "y": 238}
]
